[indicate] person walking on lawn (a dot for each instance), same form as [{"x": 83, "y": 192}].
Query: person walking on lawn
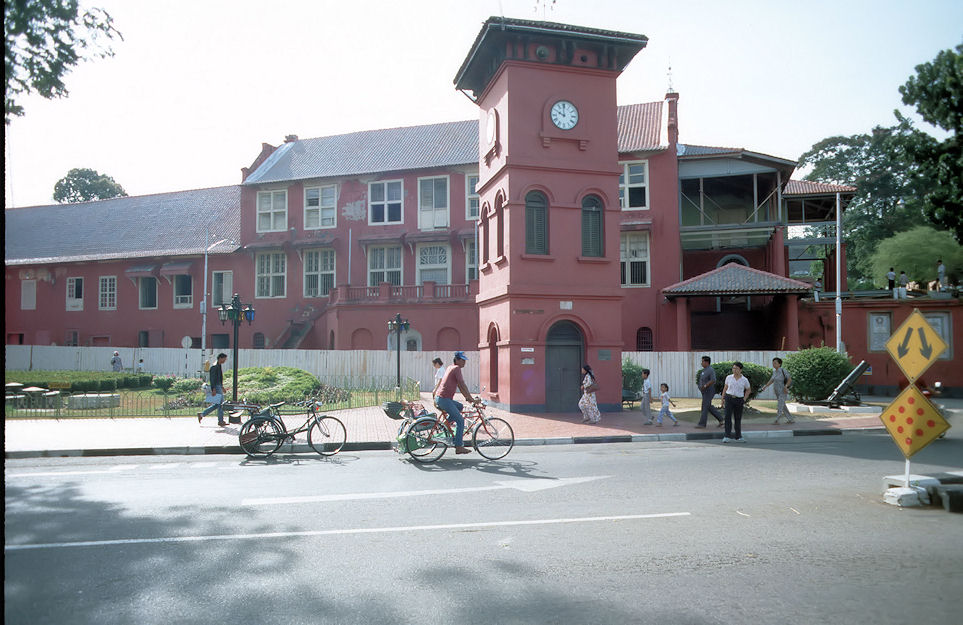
[{"x": 217, "y": 392}]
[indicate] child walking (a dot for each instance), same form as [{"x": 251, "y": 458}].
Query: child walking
[{"x": 666, "y": 400}]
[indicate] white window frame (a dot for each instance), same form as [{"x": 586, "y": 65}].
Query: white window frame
[
  {"x": 471, "y": 260},
  {"x": 74, "y": 302},
  {"x": 625, "y": 186},
  {"x": 325, "y": 212},
  {"x": 182, "y": 301},
  {"x": 433, "y": 267},
  {"x": 140, "y": 296},
  {"x": 385, "y": 202},
  {"x": 382, "y": 250},
  {"x": 107, "y": 293},
  {"x": 434, "y": 216},
  {"x": 28, "y": 295},
  {"x": 273, "y": 272},
  {"x": 321, "y": 270},
  {"x": 624, "y": 258},
  {"x": 227, "y": 288},
  {"x": 471, "y": 197},
  {"x": 274, "y": 213},
  {"x": 942, "y": 323}
]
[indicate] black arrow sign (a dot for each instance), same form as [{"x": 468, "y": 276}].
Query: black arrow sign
[
  {"x": 926, "y": 349},
  {"x": 903, "y": 349}
]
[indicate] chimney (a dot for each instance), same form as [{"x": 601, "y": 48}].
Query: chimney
[
  {"x": 672, "y": 121},
  {"x": 290, "y": 138}
]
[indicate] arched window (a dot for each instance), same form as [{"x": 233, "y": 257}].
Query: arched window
[
  {"x": 331, "y": 340},
  {"x": 484, "y": 235},
  {"x": 493, "y": 359},
  {"x": 500, "y": 227},
  {"x": 592, "y": 234},
  {"x": 536, "y": 223},
  {"x": 643, "y": 340},
  {"x": 258, "y": 340}
]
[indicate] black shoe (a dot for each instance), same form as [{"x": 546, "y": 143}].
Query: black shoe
[
  {"x": 200, "y": 416},
  {"x": 222, "y": 424}
]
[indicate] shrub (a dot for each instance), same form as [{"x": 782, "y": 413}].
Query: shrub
[
  {"x": 333, "y": 394},
  {"x": 107, "y": 385},
  {"x": 269, "y": 385},
  {"x": 757, "y": 375},
  {"x": 186, "y": 385},
  {"x": 164, "y": 382},
  {"x": 816, "y": 372},
  {"x": 84, "y": 386},
  {"x": 631, "y": 376}
]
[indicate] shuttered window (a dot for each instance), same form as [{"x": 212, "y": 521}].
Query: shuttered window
[
  {"x": 592, "y": 243},
  {"x": 536, "y": 223}
]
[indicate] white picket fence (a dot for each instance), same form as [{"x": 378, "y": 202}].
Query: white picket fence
[{"x": 677, "y": 369}]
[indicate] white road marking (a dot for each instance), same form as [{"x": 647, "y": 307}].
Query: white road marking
[
  {"x": 341, "y": 532},
  {"x": 524, "y": 485}
]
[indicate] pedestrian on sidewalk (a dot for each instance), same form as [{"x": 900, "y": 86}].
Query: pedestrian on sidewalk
[
  {"x": 940, "y": 275},
  {"x": 781, "y": 381},
  {"x": 452, "y": 381},
  {"x": 439, "y": 374},
  {"x": 735, "y": 394},
  {"x": 707, "y": 386},
  {"x": 666, "y": 400},
  {"x": 116, "y": 363},
  {"x": 588, "y": 404},
  {"x": 140, "y": 366},
  {"x": 646, "y": 397},
  {"x": 217, "y": 392}
]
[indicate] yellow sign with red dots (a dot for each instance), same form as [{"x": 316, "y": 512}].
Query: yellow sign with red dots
[{"x": 913, "y": 421}]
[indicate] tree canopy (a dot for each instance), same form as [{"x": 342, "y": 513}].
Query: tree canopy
[
  {"x": 916, "y": 252},
  {"x": 84, "y": 185},
  {"x": 43, "y": 40},
  {"x": 905, "y": 177}
]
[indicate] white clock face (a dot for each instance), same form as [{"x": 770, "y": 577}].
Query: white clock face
[
  {"x": 492, "y": 126},
  {"x": 564, "y": 115}
]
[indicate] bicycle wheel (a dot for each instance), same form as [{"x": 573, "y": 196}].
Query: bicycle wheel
[
  {"x": 260, "y": 437},
  {"x": 327, "y": 435},
  {"x": 493, "y": 438},
  {"x": 426, "y": 440}
]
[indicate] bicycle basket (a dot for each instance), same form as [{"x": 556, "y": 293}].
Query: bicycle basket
[{"x": 393, "y": 409}]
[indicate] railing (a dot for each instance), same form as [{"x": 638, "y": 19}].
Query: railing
[{"x": 395, "y": 293}]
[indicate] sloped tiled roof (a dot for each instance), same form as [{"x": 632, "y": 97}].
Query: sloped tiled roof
[
  {"x": 372, "y": 151},
  {"x": 735, "y": 279},
  {"x": 687, "y": 150},
  {"x": 420, "y": 147},
  {"x": 808, "y": 187},
  {"x": 640, "y": 127},
  {"x": 165, "y": 224}
]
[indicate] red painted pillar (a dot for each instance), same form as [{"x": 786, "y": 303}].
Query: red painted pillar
[
  {"x": 683, "y": 337},
  {"x": 792, "y": 322}
]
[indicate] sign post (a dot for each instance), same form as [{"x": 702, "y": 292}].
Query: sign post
[{"x": 912, "y": 419}]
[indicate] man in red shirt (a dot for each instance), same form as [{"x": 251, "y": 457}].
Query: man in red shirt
[{"x": 452, "y": 381}]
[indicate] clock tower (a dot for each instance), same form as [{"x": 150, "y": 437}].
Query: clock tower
[{"x": 548, "y": 253}]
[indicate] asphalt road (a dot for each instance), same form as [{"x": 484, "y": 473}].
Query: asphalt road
[{"x": 789, "y": 531}]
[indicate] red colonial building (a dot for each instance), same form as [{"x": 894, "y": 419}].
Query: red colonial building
[{"x": 556, "y": 229}]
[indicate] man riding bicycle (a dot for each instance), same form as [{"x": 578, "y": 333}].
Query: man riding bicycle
[{"x": 454, "y": 380}]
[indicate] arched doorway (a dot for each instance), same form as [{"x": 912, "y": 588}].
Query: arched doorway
[{"x": 564, "y": 353}]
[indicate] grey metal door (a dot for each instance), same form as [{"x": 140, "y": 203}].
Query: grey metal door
[{"x": 563, "y": 367}]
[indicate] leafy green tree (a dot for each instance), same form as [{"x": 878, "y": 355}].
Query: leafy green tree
[
  {"x": 43, "y": 40},
  {"x": 84, "y": 185},
  {"x": 937, "y": 93},
  {"x": 888, "y": 190},
  {"x": 916, "y": 252},
  {"x": 816, "y": 372}
]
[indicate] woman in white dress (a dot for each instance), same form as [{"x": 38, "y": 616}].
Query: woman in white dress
[{"x": 588, "y": 405}]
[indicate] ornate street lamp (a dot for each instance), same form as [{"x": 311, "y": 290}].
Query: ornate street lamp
[
  {"x": 398, "y": 325},
  {"x": 235, "y": 314}
]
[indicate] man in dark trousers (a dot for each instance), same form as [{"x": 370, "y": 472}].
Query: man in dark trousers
[
  {"x": 707, "y": 386},
  {"x": 217, "y": 392}
]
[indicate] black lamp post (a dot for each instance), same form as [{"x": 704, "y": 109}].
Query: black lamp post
[
  {"x": 398, "y": 325},
  {"x": 235, "y": 314}
]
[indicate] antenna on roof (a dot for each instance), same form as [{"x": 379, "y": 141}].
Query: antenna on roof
[
  {"x": 669, "y": 76},
  {"x": 546, "y": 4}
]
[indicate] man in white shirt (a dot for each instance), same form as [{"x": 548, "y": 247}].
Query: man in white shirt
[{"x": 735, "y": 394}]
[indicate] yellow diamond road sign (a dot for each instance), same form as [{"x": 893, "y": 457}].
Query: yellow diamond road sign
[
  {"x": 915, "y": 345},
  {"x": 913, "y": 421}
]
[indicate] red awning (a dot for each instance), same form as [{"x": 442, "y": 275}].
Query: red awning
[
  {"x": 175, "y": 269},
  {"x": 141, "y": 271}
]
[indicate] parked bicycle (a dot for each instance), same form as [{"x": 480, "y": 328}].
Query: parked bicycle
[
  {"x": 426, "y": 436},
  {"x": 265, "y": 432}
]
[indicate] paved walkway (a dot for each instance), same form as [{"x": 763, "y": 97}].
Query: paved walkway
[{"x": 370, "y": 429}]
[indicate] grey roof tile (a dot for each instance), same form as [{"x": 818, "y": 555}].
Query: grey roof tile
[
  {"x": 164, "y": 224},
  {"x": 735, "y": 279}
]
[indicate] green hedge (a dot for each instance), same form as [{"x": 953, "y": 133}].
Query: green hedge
[
  {"x": 79, "y": 381},
  {"x": 631, "y": 376},
  {"x": 270, "y": 385},
  {"x": 816, "y": 372}
]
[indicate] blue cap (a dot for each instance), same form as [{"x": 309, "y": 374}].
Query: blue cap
[{"x": 461, "y": 356}]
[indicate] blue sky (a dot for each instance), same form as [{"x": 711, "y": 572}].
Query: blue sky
[{"x": 197, "y": 86}]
